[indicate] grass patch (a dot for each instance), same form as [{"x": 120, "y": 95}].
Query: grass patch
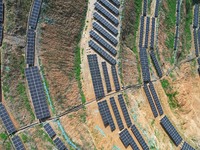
[
  {"x": 21, "y": 90},
  {"x": 44, "y": 136},
  {"x": 25, "y": 138},
  {"x": 3, "y": 136},
  {"x": 77, "y": 62},
  {"x": 173, "y": 103}
]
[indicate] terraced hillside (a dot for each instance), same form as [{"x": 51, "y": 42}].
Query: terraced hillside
[{"x": 100, "y": 74}]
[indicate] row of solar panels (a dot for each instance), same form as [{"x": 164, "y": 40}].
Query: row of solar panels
[
  {"x": 1, "y": 21},
  {"x": 176, "y": 37},
  {"x": 58, "y": 142},
  {"x": 141, "y": 31},
  {"x": 157, "y": 8},
  {"x": 198, "y": 60},
  {"x": 34, "y": 15},
  {"x": 109, "y": 6},
  {"x": 37, "y": 93},
  {"x": 173, "y": 134},
  {"x": 152, "y": 98},
  {"x": 97, "y": 79},
  {"x": 107, "y": 117},
  {"x": 144, "y": 65},
  {"x": 127, "y": 139},
  {"x": 196, "y": 16},
  {"x": 147, "y": 32},
  {"x": 196, "y": 41},
  {"x": 156, "y": 64}
]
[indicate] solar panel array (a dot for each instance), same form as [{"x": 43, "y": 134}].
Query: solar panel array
[
  {"x": 49, "y": 130},
  {"x": 109, "y": 6},
  {"x": 115, "y": 2},
  {"x": 177, "y": 18},
  {"x": 18, "y": 143},
  {"x": 198, "y": 60},
  {"x": 153, "y": 24},
  {"x": 116, "y": 113},
  {"x": 196, "y": 42},
  {"x": 171, "y": 131},
  {"x": 186, "y": 146},
  {"x": 157, "y": 8},
  {"x": 124, "y": 110},
  {"x": 156, "y": 99},
  {"x": 145, "y": 8},
  {"x": 35, "y": 14},
  {"x": 103, "y": 43},
  {"x": 139, "y": 137},
  {"x": 178, "y": 5},
  {"x": 106, "y": 115},
  {"x": 155, "y": 63},
  {"x": 147, "y": 31},
  {"x": 127, "y": 139},
  {"x": 106, "y": 14},
  {"x": 106, "y": 24},
  {"x": 37, "y": 92},
  {"x": 196, "y": 16},
  {"x": 59, "y": 144},
  {"x": 96, "y": 76},
  {"x": 6, "y": 120},
  {"x": 115, "y": 78},
  {"x": 106, "y": 77},
  {"x": 1, "y": 34},
  {"x": 144, "y": 65},
  {"x": 30, "y": 49},
  {"x": 141, "y": 30},
  {"x": 101, "y": 52},
  {"x": 1, "y": 12},
  {"x": 105, "y": 34},
  {"x": 150, "y": 100}
]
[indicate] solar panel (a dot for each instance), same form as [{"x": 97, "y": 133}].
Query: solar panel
[
  {"x": 110, "y": 7},
  {"x": 49, "y": 130},
  {"x": 37, "y": 92},
  {"x": 105, "y": 34},
  {"x": 197, "y": 53},
  {"x": 116, "y": 113},
  {"x": 35, "y": 14},
  {"x": 198, "y": 60},
  {"x": 157, "y": 8},
  {"x": 152, "y": 33},
  {"x": 186, "y": 146},
  {"x": 177, "y": 30},
  {"x": 115, "y": 78},
  {"x": 106, "y": 115},
  {"x": 147, "y": 31},
  {"x": 141, "y": 31},
  {"x": 145, "y": 8},
  {"x": 178, "y": 6},
  {"x": 177, "y": 18},
  {"x": 30, "y": 48},
  {"x": 156, "y": 99},
  {"x": 144, "y": 65},
  {"x": 139, "y": 137},
  {"x": 103, "y": 43},
  {"x": 127, "y": 139},
  {"x": 1, "y": 12},
  {"x": 1, "y": 34},
  {"x": 171, "y": 131},
  {"x": 106, "y": 14},
  {"x": 196, "y": 16},
  {"x": 196, "y": 43},
  {"x": 6, "y": 120},
  {"x": 106, "y": 77},
  {"x": 124, "y": 110},
  {"x": 150, "y": 100},
  {"x": 115, "y": 2},
  {"x": 17, "y": 143},
  {"x": 96, "y": 76},
  {"x": 175, "y": 43},
  {"x": 101, "y": 52},
  {"x": 105, "y": 24},
  {"x": 156, "y": 64},
  {"x": 59, "y": 144}
]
